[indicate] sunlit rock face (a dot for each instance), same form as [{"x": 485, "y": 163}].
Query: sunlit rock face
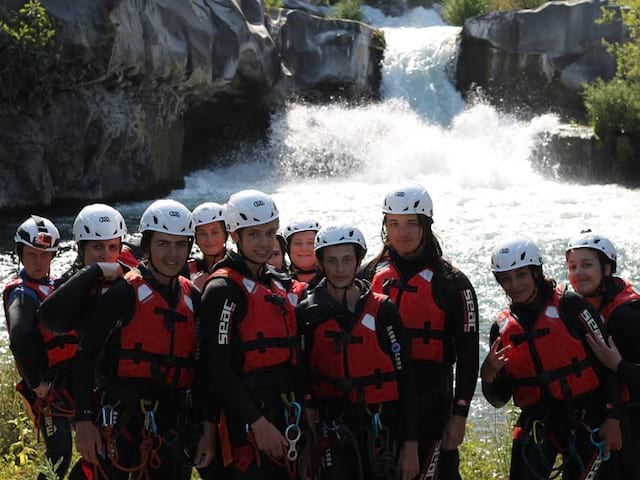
[
  {"x": 175, "y": 79},
  {"x": 538, "y": 60}
]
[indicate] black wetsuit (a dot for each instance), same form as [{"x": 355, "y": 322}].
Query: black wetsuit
[
  {"x": 437, "y": 400},
  {"x": 180, "y": 411},
  {"x": 72, "y": 302},
  {"x": 353, "y": 454},
  {"x": 244, "y": 397},
  {"x": 560, "y": 426},
  {"x": 624, "y": 327},
  {"x": 28, "y": 349}
]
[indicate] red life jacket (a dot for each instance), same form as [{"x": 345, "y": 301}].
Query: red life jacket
[
  {"x": 565, "y": 369},
  {"x": 194, "y": 268},
  {"x": 627, "y": 295},
  {"x": 268, "y": 331},
  {"x": 297, "y": 291},
  {"x": 59, "y": 348},
  {"x": 352, "y": 364},
  {"x": 128, "y": 257},
  {"x": 421, "y": 316},
  {"x": 159, "y": 342}
]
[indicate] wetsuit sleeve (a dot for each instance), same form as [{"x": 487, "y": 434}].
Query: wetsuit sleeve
[
  {"x": 25, "y": 343},
  {"x": 624, "y": 326},
  {"x": 500, "y": 390},
  {"x": 463, "y": 323},
  {"x": 223, "y": 305},
  {"x": 62, "y": 310},
  {"x": 582, "y": 317},
  {"x": 114, "y": 306},
  {"x": 203, "y": 393},
  {"x": 394, "y": 341}
]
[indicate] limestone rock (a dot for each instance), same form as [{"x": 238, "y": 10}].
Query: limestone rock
[{"x": 538, "y": 59}]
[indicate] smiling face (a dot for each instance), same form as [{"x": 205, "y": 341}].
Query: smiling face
[
  {"x": 518, "y": 284},
  {"x": 168, "y": 254},
  {"x": 301, "y": 250},
  {"x": 584, "y": 271},
  {"x": 210, "y": 238},
  {"x": 101, "y": 251},
  {"x": 404, "y": 232},
  {"x": 256, "y": 243},
  {"x": 340, "y": 264},
  {"x": 36, "y": 262}
]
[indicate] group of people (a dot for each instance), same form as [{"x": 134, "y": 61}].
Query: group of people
[{"x": 244, "y": 365}]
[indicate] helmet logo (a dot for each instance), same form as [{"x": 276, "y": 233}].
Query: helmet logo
[
  {"x": 504, "y": 250},
  {"x": 104, "y": 219},
  {"x": 43, "y": 240},
  {"x": 399, "y": 194},
  {"x": 258, "y": 203},
  {"x": 174, "y": 213}
]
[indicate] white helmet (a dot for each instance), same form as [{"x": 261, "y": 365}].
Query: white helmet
[
  {"x": 340, "y": 235},
  {"x": 588, "y": 239},
  {"x": 167, "y": 216},
  {"x": 300, "y": 225},
  {"x": 514, "y": 253},
  {"x": 208, "y": 212},
  {"x": 38, "y": 232},
  {"x": 249, "y": 208},
  {"x": 408, "y": 199},
  {"x": 98, "y": 222}
]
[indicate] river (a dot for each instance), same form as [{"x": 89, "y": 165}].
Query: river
[{"x": 335, "y": 163}]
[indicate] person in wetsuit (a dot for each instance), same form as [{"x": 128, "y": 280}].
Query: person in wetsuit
[
  {"x": 539, "y": 357},
  {"x": 439, "y": 311}
]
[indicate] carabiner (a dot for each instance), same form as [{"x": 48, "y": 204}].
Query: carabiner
[{"x": 599, "y": 445}]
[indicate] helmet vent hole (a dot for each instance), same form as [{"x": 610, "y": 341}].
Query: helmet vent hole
[
  {"x": 523, "y": 255},
  {"x": 415, "y": 205},
  {"x": 155, "y": 220},
  {"x": 86, "y": 229},
  {"x": 244, "y": 217}
]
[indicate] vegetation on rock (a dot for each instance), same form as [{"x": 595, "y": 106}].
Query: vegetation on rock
[{"x": 613, "y": 107}]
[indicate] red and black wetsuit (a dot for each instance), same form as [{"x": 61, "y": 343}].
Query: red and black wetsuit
[
  {"x": 41, "y": 356},
  {"x": 439, "y": 310},
  {"x": 354, "y": 362},
  {"x": 144, "y": 341},
  {"x": 620, "y": 308},
  {"x": 558, "y": 383},
  {"x": 250, "y": 349}
]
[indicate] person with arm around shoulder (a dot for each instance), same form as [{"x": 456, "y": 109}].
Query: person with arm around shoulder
[
  {"x": 591, "y": 266},
  {"x": 98, "y": 231},
  {"x": 151, "y": 417},
  {"x": 539, "y": 356}
]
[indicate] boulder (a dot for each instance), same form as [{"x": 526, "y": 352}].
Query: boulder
[
  {"x": 538, "y": 60},
  {"x": 574, "y": 153},
  {"x": 172, "y": 81},
  {"x": 326, "y": 57}
]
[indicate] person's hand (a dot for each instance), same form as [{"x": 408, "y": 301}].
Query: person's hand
[
  {"x": 206, "y": 446},
  {"x": 199, "y": 279},
  {"x": 42, "y": 390},
  {"x": 609, "y": 355},
  {"x": 88, "y": 441},
  {"x": 453, "y": 432},
  {"x": 269, "y": 439},
  {"x": 409, "y": 463},
  {"x": 111, "y": 271},
  {"x": 611, "y": 434},
  {"x": 495, "y": 361}
]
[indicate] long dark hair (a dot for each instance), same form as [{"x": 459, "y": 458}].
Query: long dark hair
[{"x": 429, "y": 245}]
